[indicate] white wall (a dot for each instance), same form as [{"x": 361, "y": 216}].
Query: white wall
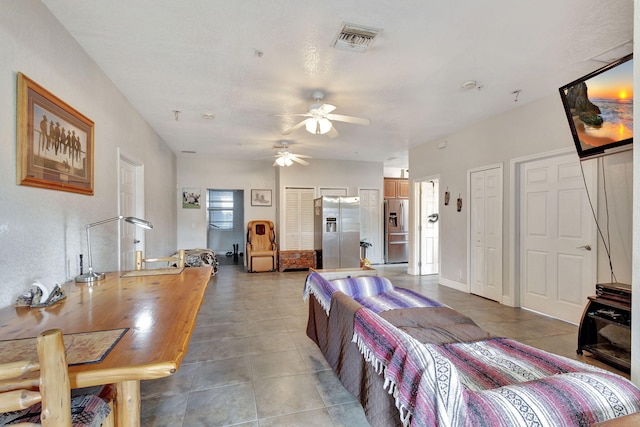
[
  {"x": 635, "y": 303},
  {"x": 536, "y": 127},
  {"x": 334, "y": 173},
  {"x": 211, "y": 172},
  {"x": 42, "y": 231},
  {"x": 615, "y": 212},
  {"x": 206, "y": 172}
]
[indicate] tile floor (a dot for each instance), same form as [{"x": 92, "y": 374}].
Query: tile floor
[{"x": 251, "y": 364}]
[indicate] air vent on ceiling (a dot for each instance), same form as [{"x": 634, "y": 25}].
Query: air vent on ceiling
[{"x": 355, "y": 38}]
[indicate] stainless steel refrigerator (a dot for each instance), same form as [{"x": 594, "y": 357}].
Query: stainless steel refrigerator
[
  {"x": 337, "y": 232},
  {"x": 396, "y": 230}
]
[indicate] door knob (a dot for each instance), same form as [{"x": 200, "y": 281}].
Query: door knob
[{"x": 587, "y": 247}]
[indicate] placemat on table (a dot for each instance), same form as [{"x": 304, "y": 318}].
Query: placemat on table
[
  {"x": 82, "y": 348},
  {"x": 153, "y": 272}
]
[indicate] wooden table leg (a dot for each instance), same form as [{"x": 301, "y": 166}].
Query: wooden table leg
[{"x": 127, "y": 405}]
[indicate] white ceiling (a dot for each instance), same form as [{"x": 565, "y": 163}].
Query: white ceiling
[{"x": 245, "y": 60}]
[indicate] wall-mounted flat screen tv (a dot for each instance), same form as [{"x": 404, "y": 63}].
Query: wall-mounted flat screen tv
[{"x": 599, "y": 108}]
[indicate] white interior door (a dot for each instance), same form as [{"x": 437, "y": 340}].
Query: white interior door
[
  {"x": 131, "y": 236},
  {"x": 557, "y": 232},
  {"x": 371, "y": 223},
  {"x": 485, "y": 232},
  {"x": 429, "y": 262}
]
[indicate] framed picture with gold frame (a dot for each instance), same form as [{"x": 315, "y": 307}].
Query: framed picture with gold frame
[{"x": 55, "y": 141}]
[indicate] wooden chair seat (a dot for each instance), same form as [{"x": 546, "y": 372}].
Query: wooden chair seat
[{"x": 46, "y": 399}]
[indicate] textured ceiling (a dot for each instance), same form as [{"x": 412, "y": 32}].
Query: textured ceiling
[{"x": 245, "y": 60}]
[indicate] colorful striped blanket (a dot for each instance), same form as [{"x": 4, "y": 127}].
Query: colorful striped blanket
[
  {"x": 374, "y": 292},
  {"x": 496, "y": 382}
]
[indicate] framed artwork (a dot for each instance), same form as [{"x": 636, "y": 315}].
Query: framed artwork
[
  {"x": 55, "y": 142},
  {"x": 260, "y": 197},
  {"x": 191, "y": 198}
]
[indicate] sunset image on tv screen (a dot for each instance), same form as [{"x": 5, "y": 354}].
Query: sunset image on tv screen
[{"x": 602, "y": 107}]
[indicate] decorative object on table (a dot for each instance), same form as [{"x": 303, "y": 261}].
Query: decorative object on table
[
  {"x": 41, "y": 295},
  {"x": 190, "y": 198},
  {"x": 459, "y": 203},
  {"x": 260, "y": 197},
  {"x": 54, "y": 143},
  {"x": 447, "y": 197},
  {"x": 364, "y": 262},
  {"x": 90, "y": 276}
]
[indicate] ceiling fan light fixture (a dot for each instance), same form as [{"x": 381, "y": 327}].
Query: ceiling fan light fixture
[
  {"x": 284, "y": 161},
  {"x": 318, "y": 126}
]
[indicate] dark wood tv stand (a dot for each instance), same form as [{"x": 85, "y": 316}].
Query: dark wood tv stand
[{"x": 605, "y": 328}]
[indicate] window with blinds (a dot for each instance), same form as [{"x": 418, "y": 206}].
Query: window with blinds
[
  {"x": 298, "y": 219},
  {"x": 220, "y": 207}
]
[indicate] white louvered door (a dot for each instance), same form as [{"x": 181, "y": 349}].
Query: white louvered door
[{"x": 298, "y": 221}]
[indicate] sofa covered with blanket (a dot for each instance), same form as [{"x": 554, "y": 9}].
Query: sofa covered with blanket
[{"x": 413, "y": 361}]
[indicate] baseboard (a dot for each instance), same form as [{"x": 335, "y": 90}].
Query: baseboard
[{"x": 462, "y": 287}]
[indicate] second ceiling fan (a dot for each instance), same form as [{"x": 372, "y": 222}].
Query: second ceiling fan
[{"x": 319, "y": 117}]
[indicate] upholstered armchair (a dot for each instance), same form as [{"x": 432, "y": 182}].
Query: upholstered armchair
[{"x": 262, "y": 250}]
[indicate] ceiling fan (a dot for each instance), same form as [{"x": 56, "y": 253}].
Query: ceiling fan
[
  {"x": 285, "y": 158},
  {"x": 319, "y": 116}
]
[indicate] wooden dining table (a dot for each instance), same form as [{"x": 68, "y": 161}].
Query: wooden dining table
[{"x": 157, "y": 314}]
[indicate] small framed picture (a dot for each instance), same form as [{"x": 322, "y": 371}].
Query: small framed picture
[
  {"x": 190, "y": 198},
  {"x": 260, "y": 197}
]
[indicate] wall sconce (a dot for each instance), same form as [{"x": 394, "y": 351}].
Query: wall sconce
[{"x": 90, "y": 276}]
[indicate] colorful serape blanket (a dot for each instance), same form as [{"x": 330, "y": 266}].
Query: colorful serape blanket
[
  {"x": 374, "y": 292},
  {"x": 397, "y": 298},
  {"x": 438, "y": 386},
  {"x": 424, "y": 384}
]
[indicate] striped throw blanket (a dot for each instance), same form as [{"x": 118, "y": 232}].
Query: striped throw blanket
[
  {"x": 496, "y": 382},
  {"x": 374, "y": 292}
]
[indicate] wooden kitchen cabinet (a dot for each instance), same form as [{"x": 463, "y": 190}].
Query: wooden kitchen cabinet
[{"x": 396, "y": 188}]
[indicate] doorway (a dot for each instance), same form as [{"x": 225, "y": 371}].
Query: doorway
[
  {"x": 225, "y": 224},
  {"x": 131, "y": 203},
  {"x": 371, "y": 223},
  {"x": 429, "y": 226}
]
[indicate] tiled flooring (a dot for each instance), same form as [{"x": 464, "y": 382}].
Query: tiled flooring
[{"x": 251, "y": 364}]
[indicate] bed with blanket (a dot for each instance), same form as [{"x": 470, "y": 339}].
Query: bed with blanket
[{"x": 410, "y": 360}]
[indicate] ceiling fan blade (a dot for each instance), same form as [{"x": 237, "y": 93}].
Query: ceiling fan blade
[
  {"x": 333, "y": 133},
  {"x": 302, "y": 156},
  {"x": 349, "y": 119},
  {"x": 326, "y": 109},
  {"x": 298, "y": 126},
  {"x": 297, "y": 160},
  {"x": 292, "y": 115}
]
